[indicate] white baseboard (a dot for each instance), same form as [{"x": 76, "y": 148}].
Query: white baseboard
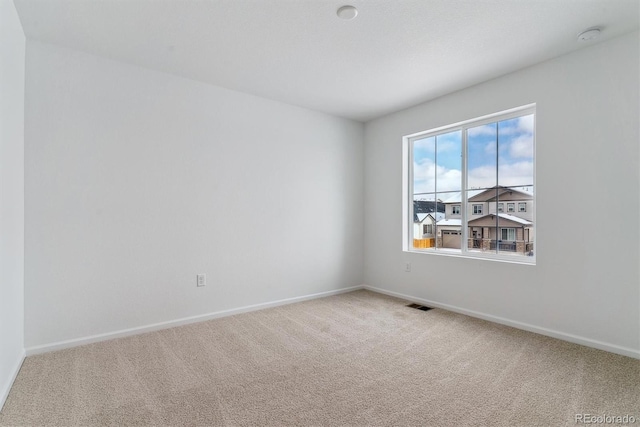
[
  {"x": 178, "y": 322},
  {"x": 576, "y": 339},
  {"x": 612, "y": 348},
  {"x": 4, "y": 393}
]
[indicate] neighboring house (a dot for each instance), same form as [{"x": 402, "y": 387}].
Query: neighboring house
[
  {"x": 508, "y": 232},
  {"x": 424, "y": 224},
  {"x": 426, "y": 213},
  {"x": 509, "y": 200},
  {"x": 497, "y": 217}
]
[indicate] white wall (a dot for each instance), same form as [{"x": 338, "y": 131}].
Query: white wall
[
  {"x": 138, "y": 180},
  {"x": 585, "y": 285},
  {"x": 12, "y": 54}
]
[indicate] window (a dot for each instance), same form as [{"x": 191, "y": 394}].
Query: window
[
  {"x": 508, "y": 233},
  {"x": 488, "y": 161},
  {"x": 427, "y": 228}
]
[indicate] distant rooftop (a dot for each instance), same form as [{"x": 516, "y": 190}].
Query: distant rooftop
[
  {"x": 457, "y": 197},
  {"x": 436, "y": 215},
  {"x": 450, "y": 222},
  {"x": 458, "y": 222}
]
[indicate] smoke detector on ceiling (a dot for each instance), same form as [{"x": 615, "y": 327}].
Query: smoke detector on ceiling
[
  {"x": 589, "y": 34},
  {"x": 347, "y": 12}
]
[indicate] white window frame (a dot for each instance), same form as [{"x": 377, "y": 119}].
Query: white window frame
[
  {"x": 511, "y": 207},
  {"x": 522, "y": 206},
  {"x": 407, "y": 185},
  {"x": 500, "y": 207},
  {"x": 477, "y": 209},
  {"x": 453, "y": 210}
]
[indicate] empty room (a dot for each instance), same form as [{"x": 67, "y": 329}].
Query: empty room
[{"x": 319, "y": 212}]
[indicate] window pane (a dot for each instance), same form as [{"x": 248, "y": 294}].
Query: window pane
[
  {"x": 449, "y": 225},
  {"x": 482, "y": 156},
  {"x": 424, "y": 161},
  {"x": 449, "y": 159},
  {"x": 425, "y": 208},
  {"x": 515, "y": 147},
  {"x": 517, "y": 227},
  {"x": 481, "y": 224}
]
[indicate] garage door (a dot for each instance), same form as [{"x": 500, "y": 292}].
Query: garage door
[{"x": 451, "y": 239}]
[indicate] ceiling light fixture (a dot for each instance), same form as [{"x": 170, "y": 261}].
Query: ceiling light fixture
[
  {"x": 347, "y": 12},
  {"x": 589, "y": 34}
]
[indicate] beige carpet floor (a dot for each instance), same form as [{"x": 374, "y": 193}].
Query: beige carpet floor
[{"x": 354, "y": 359}]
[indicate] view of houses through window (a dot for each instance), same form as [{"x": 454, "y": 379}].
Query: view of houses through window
[{"x": 472, "y": 187}]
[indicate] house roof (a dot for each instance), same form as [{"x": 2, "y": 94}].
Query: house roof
[
  {"x": 455, "y": 222},
  {"x": 457, "y": 197},
  {"x": 449, "y": 222},
  {"x": 420, "y": 217},
  {"x": 489, "y": 195},
  {"x": 427, "y": 206},
  {"x": 515, "y": 219},
  {"x": 512, "y": 218}
]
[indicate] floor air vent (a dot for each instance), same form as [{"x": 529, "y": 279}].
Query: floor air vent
[{"x": 419, "y": 307}]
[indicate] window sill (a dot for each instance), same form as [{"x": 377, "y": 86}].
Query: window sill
[{"x": 510, "y": 259}]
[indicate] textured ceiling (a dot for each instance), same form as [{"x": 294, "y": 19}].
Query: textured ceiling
[{"x": 395, "y": 54}]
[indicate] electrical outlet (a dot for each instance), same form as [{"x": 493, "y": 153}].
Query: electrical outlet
[
  {"x": 201, "y": 280},
  {"x": 407, "y": 267}
]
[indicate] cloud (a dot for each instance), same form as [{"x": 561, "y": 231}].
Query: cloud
[
  {"x": 518, "y": 126},
  {"x": 485, "y": 130},
  {"x": 522, "y": 147},
  {"x": 525, "y": 124},
  {"x": 516, "y": 174},
  {"x": 449, "y": 146},
  {"x": 446, "y": 143},
  {"x": 490, "y": 148},
  {"x": 482, "y": 176},
  {"x": 426, "y": 144},
  {"x": 424, "y": 177}
]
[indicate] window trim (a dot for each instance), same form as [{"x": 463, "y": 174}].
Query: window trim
[
  {"x": 522, "y": 205},
  {"x": 407, "y": 185},
  {"x": 511, "y": 205},
  {"x": 453, "y": 210},
  {"x": 479, "y": 211}
]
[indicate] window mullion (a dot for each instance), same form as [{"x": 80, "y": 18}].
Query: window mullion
[
  {"x": 435, "y": 187},
  {"x": 464, "y": 244},
  {"x": 411, "y": 210},
  {"x": 497, "y": 183}
]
